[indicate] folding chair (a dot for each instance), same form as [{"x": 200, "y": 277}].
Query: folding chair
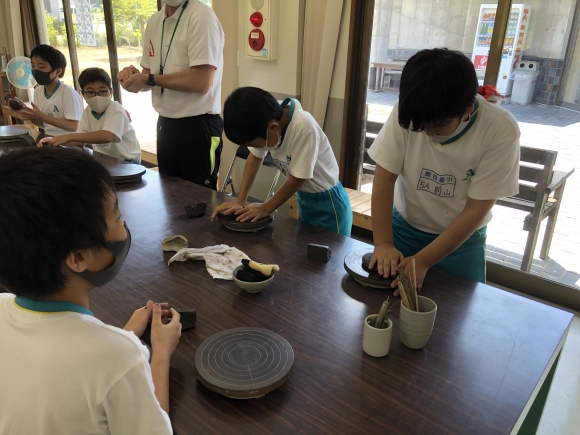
[{"x": 243, "y": 153}]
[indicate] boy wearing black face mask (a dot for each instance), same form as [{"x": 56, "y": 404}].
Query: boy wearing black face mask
[
  {"x": 57, "y": 107},
  {"x": 443, "y": 158},
  {"x": 104, "y": 124},
  {"x": 65, "y": 372}
]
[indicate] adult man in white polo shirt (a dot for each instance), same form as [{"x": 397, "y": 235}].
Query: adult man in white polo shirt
[{"x": 182, "y": 65}]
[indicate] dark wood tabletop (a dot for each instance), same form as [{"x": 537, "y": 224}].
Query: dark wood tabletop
[{"x": 488, "y": 350}]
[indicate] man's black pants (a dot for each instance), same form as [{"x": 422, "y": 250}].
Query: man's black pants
[{"x": 190, "y": 148}]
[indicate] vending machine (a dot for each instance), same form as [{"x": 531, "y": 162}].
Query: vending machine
[{"x": 513, "y": 45}]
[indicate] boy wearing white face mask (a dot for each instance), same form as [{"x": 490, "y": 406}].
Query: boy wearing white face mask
[
  {"x": 300, "y": 150},
  {"x": 444, "y": 156},
  {"x": 104, "y": 124}
]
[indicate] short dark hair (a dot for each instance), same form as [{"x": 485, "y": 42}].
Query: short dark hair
[
  {"x": 437, "y": 85},
  {"x": 53, "y": 203},
  {"x": 92, "y": 75},
  {"x": 247, "y": 112},
  {"x": 51, "y": 55}
]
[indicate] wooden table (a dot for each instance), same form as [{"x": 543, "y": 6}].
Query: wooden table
[
  {"x": 394, "y": 65},
  {"x": 481, "y": 370}
]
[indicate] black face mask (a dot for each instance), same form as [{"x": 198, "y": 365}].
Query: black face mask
[
  {"x": 120, "y": 250},
  {"x": 43, "y": 78}
]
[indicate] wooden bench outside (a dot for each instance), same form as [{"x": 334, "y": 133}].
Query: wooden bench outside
[{"x": 541, "y": 191}]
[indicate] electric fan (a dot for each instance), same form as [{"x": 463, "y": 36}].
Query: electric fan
[{"x": 19, "y": 74}]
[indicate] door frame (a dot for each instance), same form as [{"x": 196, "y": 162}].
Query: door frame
[{"x": 568, "y": 58}]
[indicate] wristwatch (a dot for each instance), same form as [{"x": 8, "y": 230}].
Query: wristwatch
[{"x": 151, "y": 82}]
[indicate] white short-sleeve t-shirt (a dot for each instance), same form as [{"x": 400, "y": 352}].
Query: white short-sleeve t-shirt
[
  {"x": 305, "y": 153},
  {"x": 64, "y": 102},
  {"x": 115, "y": 120},
  {"x": 69, "y": 373},
  {"x": 199, "y": 40},
  {"x": 435, "y": 180}
]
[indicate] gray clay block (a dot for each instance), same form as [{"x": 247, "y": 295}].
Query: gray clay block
[
  {"x": 319, "y": 252},
  {"x": 195, "y": 211}
]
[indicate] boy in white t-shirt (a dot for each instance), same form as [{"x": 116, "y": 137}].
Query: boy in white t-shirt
[
  {"x": 104, "y": 124},
  {"x": 300, "y": 149},
  {"x": 57, "y": 107},
  {"x": 63, "y": 370},
  {"x": 444, "y": 156}
]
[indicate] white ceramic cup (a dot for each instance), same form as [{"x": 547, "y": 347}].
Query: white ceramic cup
[
  {"x": 376, "y": 342},
  {"x": 415, "y": 327}
]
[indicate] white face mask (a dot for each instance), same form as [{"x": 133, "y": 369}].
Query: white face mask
[
  {"x": 173, "y": 3},
  {"x": 99, "y": 104},
  {"x": 279, "y": 139},
  {"x": 462, "y": 126}
]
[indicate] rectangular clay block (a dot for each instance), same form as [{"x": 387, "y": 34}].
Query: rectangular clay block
[{"x": 319, "y": 252}]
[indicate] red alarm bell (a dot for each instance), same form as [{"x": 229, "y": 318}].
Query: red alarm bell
[{"x": 256, "y": 19}]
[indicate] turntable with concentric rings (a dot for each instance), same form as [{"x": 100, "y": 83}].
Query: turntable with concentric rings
[{"x": 244, "y": 363}]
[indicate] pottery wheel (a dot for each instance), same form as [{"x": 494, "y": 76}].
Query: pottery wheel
[
  {"x": 128, "y": 173},
  {"x": 244, "y": 363},
  {"x": 12, "y": 133},
  {"x": 230, "y": 222},
  {"x": 353, "y": 265}
]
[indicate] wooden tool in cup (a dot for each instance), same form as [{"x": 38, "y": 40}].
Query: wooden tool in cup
[{"x": 408, "y": 288}]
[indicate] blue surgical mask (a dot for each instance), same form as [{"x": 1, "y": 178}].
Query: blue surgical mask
[{"x": 120, "y": 251}]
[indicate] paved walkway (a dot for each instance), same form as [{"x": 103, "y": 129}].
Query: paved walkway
[{"x": 547, "y": 127}]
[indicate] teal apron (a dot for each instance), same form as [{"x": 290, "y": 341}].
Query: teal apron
[
  {"x": 468, "y": 260},
  {"x": 329, "y": 209}
]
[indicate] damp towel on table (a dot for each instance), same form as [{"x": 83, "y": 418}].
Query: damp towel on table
[{"x": 220, "y": 260}]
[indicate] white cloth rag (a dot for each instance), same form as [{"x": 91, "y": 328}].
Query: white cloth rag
[{"x": 220, "y": 260}]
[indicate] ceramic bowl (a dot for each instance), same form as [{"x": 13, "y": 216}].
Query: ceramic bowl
[{"x": 251, "y": 287}]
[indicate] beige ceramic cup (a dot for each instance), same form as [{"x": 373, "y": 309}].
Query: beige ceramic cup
[
  {"x": 415, "y": 327},
  {"x": 376, "y": 342}
]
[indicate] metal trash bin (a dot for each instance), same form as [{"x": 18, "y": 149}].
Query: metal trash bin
[{"x": 524, "y": 82}]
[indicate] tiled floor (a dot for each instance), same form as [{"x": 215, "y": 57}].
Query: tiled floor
[{"x": 547, "y": 127}]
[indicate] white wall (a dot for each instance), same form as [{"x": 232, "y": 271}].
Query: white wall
[
  {"x": 227, "y": 13},
  {"x": 549, "y": 30},
  {"x": 280, "y": 76},
  {"x": 418, "y": 24}
]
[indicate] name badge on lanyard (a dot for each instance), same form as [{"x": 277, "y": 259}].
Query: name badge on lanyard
[{"x": 161, "y": 63}]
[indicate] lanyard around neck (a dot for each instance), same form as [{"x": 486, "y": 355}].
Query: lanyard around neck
[{"x": 161, "y": 63}]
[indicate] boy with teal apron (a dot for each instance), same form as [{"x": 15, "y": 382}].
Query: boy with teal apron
[
  {"x": 443, "y": 158},
  {"x": 300, "y": 150}
]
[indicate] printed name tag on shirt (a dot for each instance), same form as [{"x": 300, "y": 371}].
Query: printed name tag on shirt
[{"x": 439, "y": 185}]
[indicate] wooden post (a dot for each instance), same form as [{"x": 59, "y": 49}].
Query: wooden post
[
  {"x": 112, "y": 48},
  {"x": 72, "y": 46}
]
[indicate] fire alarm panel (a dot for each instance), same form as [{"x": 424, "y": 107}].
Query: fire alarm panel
[{"x": 262, "y": 18}]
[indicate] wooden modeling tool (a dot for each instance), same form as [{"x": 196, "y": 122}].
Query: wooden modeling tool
[{"x": 382, "y": 313}]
